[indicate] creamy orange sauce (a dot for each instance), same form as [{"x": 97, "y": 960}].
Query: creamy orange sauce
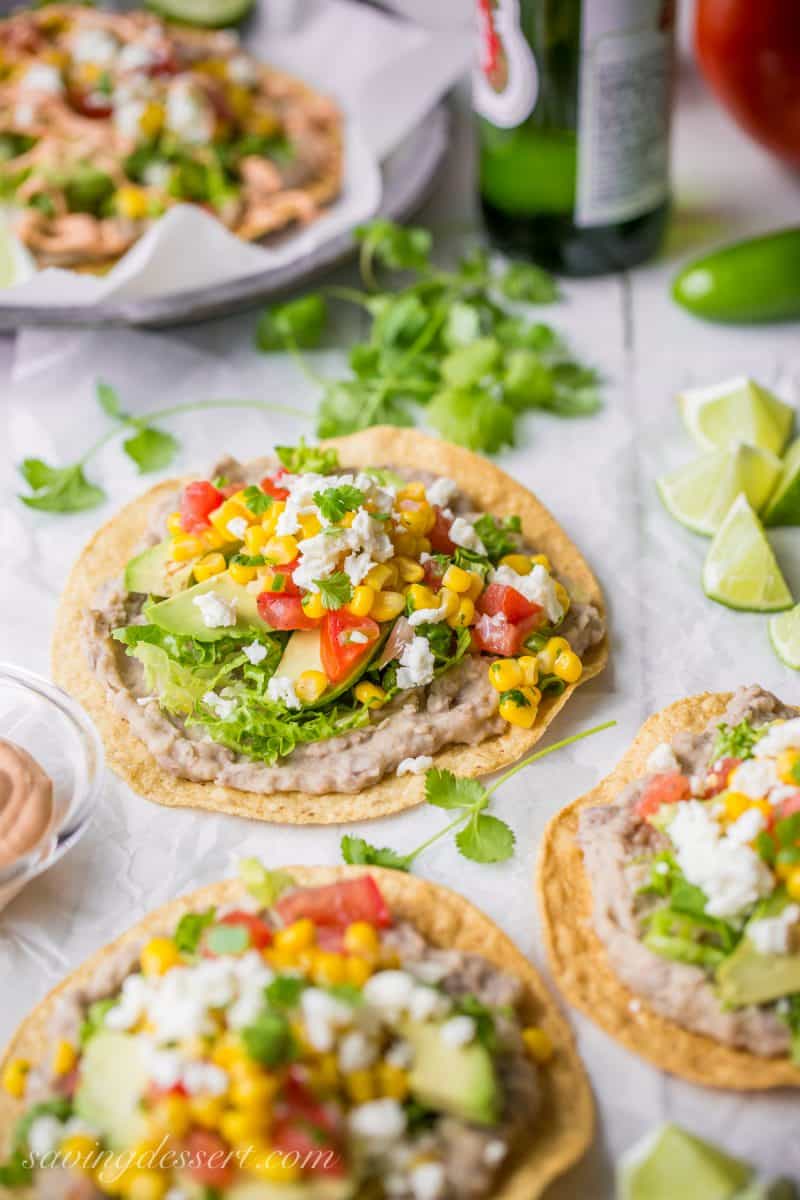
[{"x": 26, "y": 803}]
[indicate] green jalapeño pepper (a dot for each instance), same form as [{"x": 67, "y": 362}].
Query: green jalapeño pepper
[{"x": 746, "y": 282}]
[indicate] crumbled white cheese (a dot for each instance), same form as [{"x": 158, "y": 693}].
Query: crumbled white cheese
[
  {"x": 188, "y": 113},
  {"x": 238, "y": 527},
  {"x": 319, "y": 558},
  {"x": 783, "y": 791},
  {"x": 390, "y": 990},
  {"x": 427, "y": 1002},
  {"x": 280, "y": 690},
  {"x": 243, "y": 71},
  {"x": 323, "y": 1015},
  {"x": 255, "y": 653},
  {"x": 96, "y": 46},
  {"x": 42, "y": 78},
  {"x": 220, "y": 705},
  {"x": 427, "y": 1181},
  {"x": 462, "y": 533},
  {"x": 216, "y": 612},
  {"x": 770, "y": 935},
  {"x": 415, "y": 766},
  {"x": 378, "y": 1120},
  {"x": 45, "y": 1136},
  {"x": 202, "y": 1078},
  {"x": 442, "y": 491},
  {"x": 780, "y": 736},
  {"x": 662, "y": 760},
  {"x": 400, "y": 1055},
  {"x": 730, "y": 872},
  {"x": 416, "y": 664},
  {"x": 355, "y": 637},
  {"x": 357, "y": 1052},
  {"x": 135, "y": 56},
  {"x": 458, "y": 1031},
  {"x": 538, "y": 586},
  {"x": 427, "y": 616},
  {"x": 357, "y": 567},
  {"x": 495, "y": 1152},
  {"x": 755, "y": 777},
  {"x": 747, "y": 827},
  {"x": 157, "y": 174},
  {"x": 128, "y": 116}
]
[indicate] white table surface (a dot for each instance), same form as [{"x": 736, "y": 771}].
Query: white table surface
[{"x": 597, "y": 475}]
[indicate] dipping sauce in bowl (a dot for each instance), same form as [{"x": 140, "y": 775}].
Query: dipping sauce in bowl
[{"x": 26, "y": 803}]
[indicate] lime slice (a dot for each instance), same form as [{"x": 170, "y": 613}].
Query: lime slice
[
  {"x": 211, "y": 14},
  {"x": 784, "y": 507},
  {"x": 671, "y": 1163},
  {"x": 738, "y": 410},
  {"x": 741, "y": 571},
  {"x": 700, "y": 494},
  {"x": 16, "y": 263},
  {"x": 784, "y": 633}
]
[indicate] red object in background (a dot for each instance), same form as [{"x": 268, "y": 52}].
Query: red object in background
[{"x": 749, "y": 52}]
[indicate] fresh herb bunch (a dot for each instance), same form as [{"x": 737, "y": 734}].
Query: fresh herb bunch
[
  {"x": 452, "y": 341},
  {"x": 479, "y": 836}
]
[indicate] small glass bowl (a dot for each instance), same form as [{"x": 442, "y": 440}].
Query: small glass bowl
[{"x": 56, "y": 731}]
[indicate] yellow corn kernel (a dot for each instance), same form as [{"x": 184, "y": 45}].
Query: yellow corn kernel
[
  {"x": 529, "y": 667},
  {"x": 562, "y": 596},
  {"x": 360, "y": 1086},
  {"x": 505, "y": 674},
  {"x": 147, "y": 1185},
  {"x": 358, "y": 971},
  {"x": 313, "y": 606},
  {"x": 407, "y": 544},
  {"x": 475, "y": 586},
  {"x": 409, "y": 570},
  {"x": 449, "y": 602},
  {"x": 370, "y": 694},
  {"x": 464, "y": 614},
  {"x": 418, "y": 521},
  {"x": 255, "y": 539},
  {"x": 174, "y": 523},
  {"x": 541, "y": 560},
  {"x": 548, "y": 654},
  {"x": 327, "y": 1072},
  {"x": 241, "y": 573},
  {"x": 113, "y": 1175},
  {"x": 519, "y": 707},
  {"x": 186, "y": 547},
  {"x": 132, "y": 202},
  {"x": 237, "y": 1126},
  {"x": 392, "y": 1081},
  {"x": 793, "y": 883},
  {"x": 254, "y": 1091},
  {"x": 228, "y": 511},
  {"x": 387, "y": 605},
  {"x": 568, "y": 666},
  {"x": 310, "y": 525},
  {"x": 207, "y": 1111},
  {"x": 77, "y": 1151},
  {"x": 212, "y": 539},
  {"x": 421, "y": 596},
  {"x": 209, "y": 565},
  {"x": 15, "y": 1077},
  {"x": 65, "y": 1059},
  {"x": 538, "y": 1044},
  {"x": 518, "y": 562},
  {"x": 281, "y": 550},
  {"x": 362, "y": 600},
  {"x": 329, "y": 968},
  {"x": 787, "y": 765},
  {"x": 270, "y": 517},
  {"x": 300, "y": 935},
  {"x": 159, "y": 956},
  {"x": 735, "y": 804},
  {"x": 171, "y": 1116},
  {"x": 412, "y": 491},
  {"x": 457, "y": 579},
  {"x": 310, "y": 685},
  {"x": 152, "y": 120},
  {"x": 380, "y": 576},
  {"x": 423, "y": 546},
  {"x": 362, "y": 938},
  {"x": 273, "y": 1165}
]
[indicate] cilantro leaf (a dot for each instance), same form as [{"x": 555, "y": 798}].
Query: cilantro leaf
[
  {"x": 151, "y": 449},
  {"x": 269, "y": 1039},
  {"x": 472, "y": 418},
  {"x": 190, "y": 929},
  {"x": 349, "y": 405},
  {"x": 470, "y": 364},
  {"x": 528, "y": 283},
  {"x": 108, "y": 399},
  {"x": 301, "y": 458},
  {"x": 446, "y": 790},
  {"x": 95, "y": 1019},
  {"x": 335, "y": 591},
  {"x": 359, "y": 852},
  {"x": 299, "y": 323},
  {"x": 333, "y": 503},
  {"x": 256, "y": 501},
  {"x": 398, "y": 247},
  {"x": 59, "y": 489},
  {"x": 285, "y": 991},
  {"x": 486, "y": 839},
  {"x": 495, "y": 534}
]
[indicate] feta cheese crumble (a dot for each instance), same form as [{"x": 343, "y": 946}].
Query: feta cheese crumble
[
  {"x": 781, "y": 736},
  {"x": 770, "y": 935},
  {"x": 238, "y": 527},
  {"x": 442, "y": 491},
  {"x": 662, "y": 760},
  {"x": 755, "y": 777},
  {"x": 378, "y": 1120},
  {"x": 216, "y": 612},
  {"x": 427, "y": 616},
  {"x": 416, "y": 664},
  {"x": 188, "y": 114},
  {"x": 96, "y": 46},
  {"x": 427, "y": 1181},
  {"x": 415, "y": 766},
  {"x": 462, "y": 533},
  {"x": 255, "y": 653},
  {"x": 222, "y": 707},
  {"x": 458, "y": 1031},
  {"x": 729, "y": 871},
  {"x": 280, "y": 690},
  {"x": 42, "y": 78},
  {"x": 539, "y": 587}
]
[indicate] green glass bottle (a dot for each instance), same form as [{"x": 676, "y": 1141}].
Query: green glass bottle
[{"x": 573, "y": 104}]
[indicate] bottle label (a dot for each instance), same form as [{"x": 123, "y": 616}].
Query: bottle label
[
  {"x": 623, "y": 109},
  {"x": 505, "y": 79}
]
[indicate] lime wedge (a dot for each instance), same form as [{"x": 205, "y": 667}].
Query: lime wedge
[
  {"x": 211, "y": 14},
  {"x": 784, "y": 633},
  {"x": 671, "y": 1163},
  {"x": 738, "y": 410},
  {"x": 784, "y": 507},
  {"x": 741, "y": 571},
  {"x": 700, "y": 494}
]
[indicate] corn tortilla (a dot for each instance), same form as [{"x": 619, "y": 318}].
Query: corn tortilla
[
  {"x": 107, "y": 553},
  {"x": 561, "y": 1133},
  {"x": 578, "y": 958}
]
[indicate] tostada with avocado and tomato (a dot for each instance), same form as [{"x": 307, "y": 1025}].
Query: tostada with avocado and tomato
[
  {"x": 316, "y": 1034},
  {"x": 671, "y": 893},
  {"x": 301, "y": 637}
]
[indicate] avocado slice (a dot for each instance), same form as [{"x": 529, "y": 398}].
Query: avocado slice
[
  {"x": 113, "y": 1080},
  {"x": 179, "y": 614},
  {"x": 153, "y": 572},
  {"x": 459, "y": 1080},
  {"x": 671, "y": 1162},
  {"x": 303, "y": 653},
  {"x": 749, "y": 977}
]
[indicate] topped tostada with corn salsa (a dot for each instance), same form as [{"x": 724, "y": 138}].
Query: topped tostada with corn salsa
[
  {"x": 297, "y": 625},
  {"x": 313, "y": 1035},
  {"x": 107, "y": 119}
]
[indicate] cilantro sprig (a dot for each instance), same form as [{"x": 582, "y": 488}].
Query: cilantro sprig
[
  {"x": 69, "y": 490},
  {"x": 479, "y": 835},
  {"x": 335, "y": 591},
  {"x": 334, "y": 503},
  {"x": 452, "y": 341}
]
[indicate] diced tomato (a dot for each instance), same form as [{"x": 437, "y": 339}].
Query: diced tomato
[
  {"x": 717, "y": 780},
  {"x": 316, "y": 1154},
  {"x": 497, "y": 635},
  {"x": 500, "y": 598},
  {"x": 439, "y": 535},
  {"x": 271, "y": 485},
  {"x": 330, "y": 938},
  {"x": 338, "y": 904},
  {"x": 790, "y": 806},
  {"x": 434, "y": 574},
  {"x": 340, "y": 655},
  {"x": 198, "y": 500},
  {"x": 210, "y": 1162},
  {"x": 156, "y": 1093},
  {"x": 670, "y": 788},
  {"x": 260, "y": 932},
  {"x": 282, "y": 611},
  {"x": 166, "y": 64},
  {"x": 95, "y": 105}
]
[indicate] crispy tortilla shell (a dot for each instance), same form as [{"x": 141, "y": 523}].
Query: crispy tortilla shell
[
  {"x": 578, "y": 958},
  {"x": 560, "y": 1135},
  {"x": 107, "y": 553}
]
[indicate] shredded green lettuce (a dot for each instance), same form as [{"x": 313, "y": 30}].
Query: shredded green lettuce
[{"x": 736, "y": 741}]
